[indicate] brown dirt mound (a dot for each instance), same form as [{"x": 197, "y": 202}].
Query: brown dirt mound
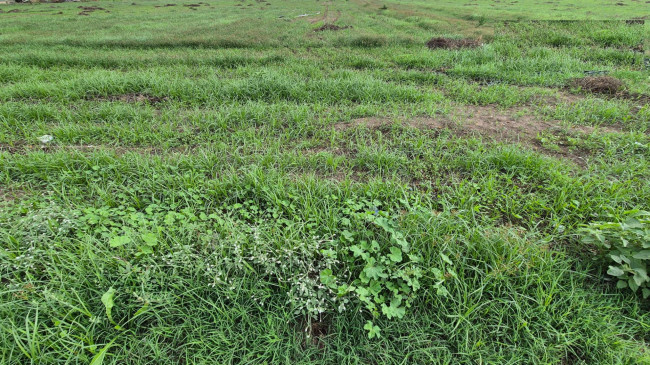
[
  {"x": 598, "y": 84},
  {"x": 331, "y": 27},
  {"x": 90, "y": 8},
  {"x": 87, "y": 10},
  {"x": 450, "y": 43}
]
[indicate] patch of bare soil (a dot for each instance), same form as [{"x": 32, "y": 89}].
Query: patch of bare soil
[
  {"x": 314, "y": 331},
  {"x": 494, "y": 124},
  {"x": 598, "y": 84},
  {"x": 9, "y": 195},
  {"x": 450, "y": 43},
  {"x": 87, "y": 10},
  {"x": 635, "y": 21},
  {"x": 132, "y": 98},
  {"x": 332, "y": 27}
]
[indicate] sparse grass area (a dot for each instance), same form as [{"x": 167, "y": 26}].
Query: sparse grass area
[{"x": 226, "y": 185}]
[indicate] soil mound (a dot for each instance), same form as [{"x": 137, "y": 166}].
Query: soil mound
[
  {"x": 598, "y": 84},
  {"x": 450, "y": 43},
  {"x": 331, "y": 27}
]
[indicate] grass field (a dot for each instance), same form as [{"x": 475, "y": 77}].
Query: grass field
[{"x": 224, "y": 184}]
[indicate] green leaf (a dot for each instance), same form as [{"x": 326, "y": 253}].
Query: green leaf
[
  {"x": 150, "y": 239},
  {"x": 442, "y": 291},
  {"x": 646, "y": 293},
  {"x": 437, "y": 273},
  {"x": 98, "y": 359},
  {"x": 357, "y": 251},
  {"x": 348, "y": 236},
  {"x": 446, "y": 259},
  {"x": 373, "y": 331},
  {"x": 374, "y": 246},
  {"x": 144, "y": 250},
  {"x": 327, "y": 278},
  {"x": 374, "y": 272},
  {"x": 395, "y": 254},
  {"x": 119, "y": 241},
  {"x": 395, "y": 310},
  {"x": 621, "y": 284},
  {"x": 107, "y": 299},
  {"x": 633, "y": 223},
  {"x": 642, "y": 255},
  {"x": 615, "y": 271}
]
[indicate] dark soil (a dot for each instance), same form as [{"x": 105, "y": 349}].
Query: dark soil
[
  {"x": 598, "y": 84},
  {"x": 90, "y": 8},
  {"x": 331, "y": 27},
  {"x": 315, "y": 331},
  {"x": 635, "y": 21},
  {"x": 87, "y": 10},
  {"x": 450, "y": 43}
]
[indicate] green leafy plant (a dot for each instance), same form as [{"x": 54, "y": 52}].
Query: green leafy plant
[
  {"x": 386, "y": 273},
  {"x": 627, "y": 244}
]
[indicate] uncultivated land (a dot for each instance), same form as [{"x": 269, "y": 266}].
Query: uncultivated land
[{"x": 230, "y": 181}]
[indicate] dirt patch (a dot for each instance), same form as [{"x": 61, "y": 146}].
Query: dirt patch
[
  {"x": 450, "y": 43},
  {"x": 87, "y": 10},
  {"x": 598, "y": 84},
  {"x": 132, "y": 98},
  {"x": 635, "y": 21},
  {"x": 9, "y": 194},
  {"x": 15, "y": 11},
  {"x": 332, "y": 27},
  {"x": 314, "y": 331},
  {"x": 492, "y": 123},
  {"x": 191, "y": 5}
]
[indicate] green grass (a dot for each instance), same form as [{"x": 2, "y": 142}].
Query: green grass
[{"x": 209, "y": 164}]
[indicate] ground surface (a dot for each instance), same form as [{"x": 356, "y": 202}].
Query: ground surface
[{"x": 210, "y": 162}]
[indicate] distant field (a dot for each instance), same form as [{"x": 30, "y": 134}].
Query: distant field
[{"x": 310, "y": 182}]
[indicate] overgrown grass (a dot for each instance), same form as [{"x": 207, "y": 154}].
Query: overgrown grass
[{"x": 233, "y": 188}]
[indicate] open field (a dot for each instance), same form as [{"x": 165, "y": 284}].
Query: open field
[{"x": 234, "y": 182}]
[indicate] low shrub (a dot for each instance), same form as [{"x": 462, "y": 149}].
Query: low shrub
[{"x": 627, "y": 244}]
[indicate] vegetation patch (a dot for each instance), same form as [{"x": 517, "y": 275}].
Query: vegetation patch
[{"x": 227, "y": 186}]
